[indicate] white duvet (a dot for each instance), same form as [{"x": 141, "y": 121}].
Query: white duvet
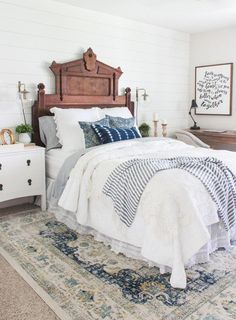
[{"x": 175, "y": 209}]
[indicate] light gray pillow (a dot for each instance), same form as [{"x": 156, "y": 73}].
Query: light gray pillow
[
  {"x": 47, "y": 130},
  {"x": 90, "y": 137},
  {"x": 119, "y": 122}
]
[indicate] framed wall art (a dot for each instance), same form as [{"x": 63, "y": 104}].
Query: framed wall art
[{"x": 213, "y": 89}]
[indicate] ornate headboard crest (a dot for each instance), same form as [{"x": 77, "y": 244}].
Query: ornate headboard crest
[
  {"x": 86, "y": 76},
  {"x": 90, "y": 59},
  {"x": 81, "y": 83}
]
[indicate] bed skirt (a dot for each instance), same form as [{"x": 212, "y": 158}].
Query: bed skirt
[{"x": 219, "y": 237}]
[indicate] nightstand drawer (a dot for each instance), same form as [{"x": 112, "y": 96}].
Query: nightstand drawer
[
  {"x": 25, "y": 162},
  {"x": 21, "y": 187},
  {"x": 22, "y": 174},
  {"x": 26, "y": 184}
]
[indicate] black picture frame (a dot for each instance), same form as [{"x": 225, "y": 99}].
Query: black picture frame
[{"x": 213, "y": 89}]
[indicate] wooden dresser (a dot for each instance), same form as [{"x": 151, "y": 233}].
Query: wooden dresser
[{"x": 217, "y": 140}]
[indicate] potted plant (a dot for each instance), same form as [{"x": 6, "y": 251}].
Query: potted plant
[
  {"x": 24, "y": 130},
  {"x": 144, "y": 129}
]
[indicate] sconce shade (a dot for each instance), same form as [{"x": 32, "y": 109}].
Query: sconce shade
[{"x": 145, "y": 95}]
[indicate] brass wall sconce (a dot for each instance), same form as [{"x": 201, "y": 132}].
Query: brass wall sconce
[
  {"x": 22, "y": 90},
  {"x": 144, "y": 95}
]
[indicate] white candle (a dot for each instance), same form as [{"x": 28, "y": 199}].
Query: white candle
[
  {"x": 155, "y": 116},
  {"x": 164, "y": 121}
]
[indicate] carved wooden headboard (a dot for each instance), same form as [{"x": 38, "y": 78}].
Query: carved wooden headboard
[{"x": 82, "y": 83}]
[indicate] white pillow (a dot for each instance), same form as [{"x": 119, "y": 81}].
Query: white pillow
[
  {"x": 122, "y": 112},
  {"x": 70, "y": 134}
]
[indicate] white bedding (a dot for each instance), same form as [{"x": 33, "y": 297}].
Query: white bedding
[
  {"x": 54, "y": 160},
  {"x": 174, "y": 211}
]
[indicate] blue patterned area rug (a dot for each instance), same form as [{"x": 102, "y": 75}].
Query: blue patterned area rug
[{"x": 86, "y": 280}]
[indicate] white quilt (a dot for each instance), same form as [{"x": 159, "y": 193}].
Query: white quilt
[{"x": 174, "y": 212}]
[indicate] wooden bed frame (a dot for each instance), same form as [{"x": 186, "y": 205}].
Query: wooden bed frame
[{"x": 83, "y": 83}]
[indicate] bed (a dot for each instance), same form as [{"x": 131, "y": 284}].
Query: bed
[{"x": 176, "y": 223}]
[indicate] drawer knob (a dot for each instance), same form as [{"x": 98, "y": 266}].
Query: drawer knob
[
  {"x": 0, "y": 166},
  {"x": 1, "y": 187},
  {"x": 28, "y": 162},
  {"x": 29, "y": 182}
]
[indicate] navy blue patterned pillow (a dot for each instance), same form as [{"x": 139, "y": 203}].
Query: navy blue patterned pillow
[
  {"x": 107, "y": 135},
  {"x": 119, "y": 122},
  {"x": 90, "y": 137}
]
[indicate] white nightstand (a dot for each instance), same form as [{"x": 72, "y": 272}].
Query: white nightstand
[{"x": 22, "y": 174}]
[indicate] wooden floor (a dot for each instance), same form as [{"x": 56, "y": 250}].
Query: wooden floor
[{"x": 16, "y": 209}]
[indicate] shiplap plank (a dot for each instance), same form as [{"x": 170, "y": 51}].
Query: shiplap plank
[
  {"x": 70, "y": 14},
  {"x": 32, "y": 36},
  {"x": 59, "y": 32}
]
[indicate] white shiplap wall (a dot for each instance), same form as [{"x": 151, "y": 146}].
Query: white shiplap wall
[{"x": 33, "y": 34}]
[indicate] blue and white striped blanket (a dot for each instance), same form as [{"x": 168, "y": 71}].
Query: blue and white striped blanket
[{"x": 126, "y": 184}]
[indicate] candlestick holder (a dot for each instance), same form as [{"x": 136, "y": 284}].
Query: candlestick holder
[
  {"x": 155, "y": 127},
  {"x": 164, "y": 129}
]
